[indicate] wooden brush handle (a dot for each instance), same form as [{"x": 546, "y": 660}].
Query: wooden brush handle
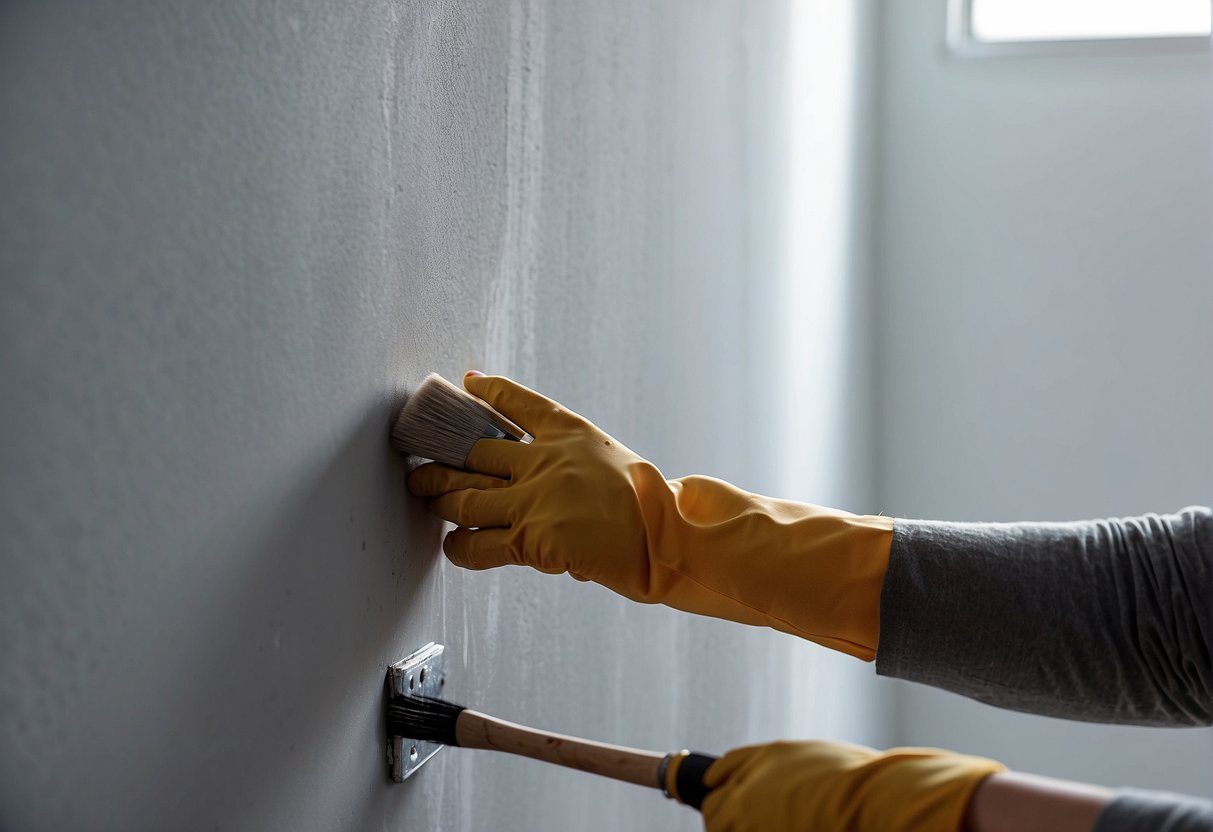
[{"x": 477, "y": 730}]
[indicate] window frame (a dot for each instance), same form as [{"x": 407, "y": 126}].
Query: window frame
[{"x": 962, "y": 43}]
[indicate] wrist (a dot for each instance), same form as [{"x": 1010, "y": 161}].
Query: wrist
[{"x": 1011, "y": 801}]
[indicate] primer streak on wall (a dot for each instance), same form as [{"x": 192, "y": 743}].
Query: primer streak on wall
[
  {"x": 511, "y": 331},
  {"x": 231, "y": 236}
]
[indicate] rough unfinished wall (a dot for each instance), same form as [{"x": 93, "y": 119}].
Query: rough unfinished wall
[{"x": 232, "y": 234}]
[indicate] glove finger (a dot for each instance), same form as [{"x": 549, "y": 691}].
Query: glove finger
[
  {"x": 478, "y": 549},
  {"x": 721, "y": 770},
  {"x": 498, "y": 457},
  {"x": 716, "y": 817},
  {"x": 434, "y": 479},
  {"x": 531, "y": 411},
  {"x": 474, "y": 508}
]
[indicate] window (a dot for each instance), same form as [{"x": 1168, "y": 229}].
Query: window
[{"x": 1000, "y": 27}]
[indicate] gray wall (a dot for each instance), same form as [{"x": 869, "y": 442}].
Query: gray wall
[
  {"x": 1045, "y": 286},
  {"x": 231, "y": 235}
]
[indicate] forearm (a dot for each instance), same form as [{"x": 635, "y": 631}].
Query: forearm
[
  {"x": 1106, "y": 620},
  {"x": 1014, "y": 802}
]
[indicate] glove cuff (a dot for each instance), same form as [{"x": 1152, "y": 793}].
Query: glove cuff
[
  {"x": 923, "y": 788},
  {"x": 811, "y": 571}
]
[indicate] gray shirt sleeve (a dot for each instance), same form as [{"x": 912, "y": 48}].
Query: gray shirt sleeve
[
  {"x": 1103, "y": 620},
  {"x": 1139, "y": 811}
]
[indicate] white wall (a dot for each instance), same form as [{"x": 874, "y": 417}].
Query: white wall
[
  {"x": 1045, "y": 287},
  {"x": 231, "y": 235}
]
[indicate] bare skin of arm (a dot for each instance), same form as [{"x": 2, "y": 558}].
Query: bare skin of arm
[{"x": 1014, "y": 802}]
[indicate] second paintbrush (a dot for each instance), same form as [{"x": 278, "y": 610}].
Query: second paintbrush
[{"x": 678, "y": 774}]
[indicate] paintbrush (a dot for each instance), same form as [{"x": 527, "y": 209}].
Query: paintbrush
[
  {"x": 679, "y": 774},
  {"x": 441, "y": 422}
]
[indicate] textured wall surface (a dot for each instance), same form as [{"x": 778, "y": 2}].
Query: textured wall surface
[
  {"x": 1045, "y": 276},
  {"x": 232, "y": 234}
]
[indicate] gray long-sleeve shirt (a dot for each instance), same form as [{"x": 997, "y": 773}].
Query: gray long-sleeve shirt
[{"x": 1104, "y": 620}]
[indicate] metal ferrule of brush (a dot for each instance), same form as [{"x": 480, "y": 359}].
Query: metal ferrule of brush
[
  {"x": 491, "y": 431},
  {"x": 663, "y": 769}
]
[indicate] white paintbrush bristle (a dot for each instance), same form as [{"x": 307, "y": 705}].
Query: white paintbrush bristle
[{"x": 441, "y": 422}]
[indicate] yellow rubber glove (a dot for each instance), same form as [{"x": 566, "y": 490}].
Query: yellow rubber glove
[
  {"x": 826, "y": 786},
  {"x": 575, "y": 500}
]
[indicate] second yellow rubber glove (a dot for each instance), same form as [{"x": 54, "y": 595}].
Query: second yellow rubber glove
[
  {"x": 575, "y": 500},
  {"x": 832, "y": 787}
]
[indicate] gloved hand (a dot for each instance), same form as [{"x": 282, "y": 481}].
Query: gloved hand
[
  {"x": 826, "y": 786},
  {"x": 575, "y": 500}
]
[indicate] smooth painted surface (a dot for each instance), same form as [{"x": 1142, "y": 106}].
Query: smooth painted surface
[
  {"x": 231, "y": 236},
  {"x": 1045, "y": 286}
]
